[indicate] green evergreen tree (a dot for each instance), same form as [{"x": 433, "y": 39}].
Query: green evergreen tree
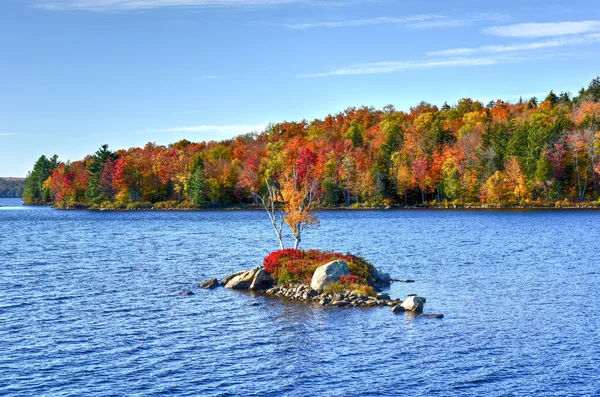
[
  {"x": 355, "y": 133},
  {"x": 95, "y": 193},
  {"x": 552, "y": 97},
  {"x": 34, "y": 192},
  {"x": 198, "y": 183}
]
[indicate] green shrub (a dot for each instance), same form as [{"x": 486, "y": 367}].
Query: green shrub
[
  {"x": 335, "y": 288},
  {"x": 339, "y": 288},
  {"x": 165, "y": 205},
  {"x": 140, "y": 205}
]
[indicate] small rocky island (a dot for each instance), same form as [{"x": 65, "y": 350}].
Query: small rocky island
[{"x": 324, "y": 278}]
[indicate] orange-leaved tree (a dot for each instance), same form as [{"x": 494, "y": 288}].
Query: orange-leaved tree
[{"x": 300, "y": 193}]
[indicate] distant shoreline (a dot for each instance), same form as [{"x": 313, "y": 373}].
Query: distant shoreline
[{"x": 580, "y": 206}]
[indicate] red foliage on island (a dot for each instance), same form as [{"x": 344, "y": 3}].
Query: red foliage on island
[{"x": 292, "y": 265}]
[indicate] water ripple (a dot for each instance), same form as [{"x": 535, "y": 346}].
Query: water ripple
[{"x": 90, "y": 305}]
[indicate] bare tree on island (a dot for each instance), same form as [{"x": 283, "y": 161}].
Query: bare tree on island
[{"x": 270, "y": 202}]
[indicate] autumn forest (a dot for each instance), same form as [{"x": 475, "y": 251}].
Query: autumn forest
[{"x": 535, "y": 152}]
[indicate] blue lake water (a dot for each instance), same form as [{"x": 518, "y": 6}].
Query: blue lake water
[{"x": 90, "y": 305}]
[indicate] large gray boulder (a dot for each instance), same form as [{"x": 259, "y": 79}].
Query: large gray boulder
[
  {"x": 381, "y": 279},
  {"x": 329, "y": 273},
  {"x": 413, "y": 304},
  {"x": 262, "y": 281},
  {"x": 228, "y": 278},
  {"x": 244, "y": 280}
]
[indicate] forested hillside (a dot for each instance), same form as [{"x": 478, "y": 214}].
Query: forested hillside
[
  {"x": 532, "y": 152},
  {"x": 11, "y": 187}
]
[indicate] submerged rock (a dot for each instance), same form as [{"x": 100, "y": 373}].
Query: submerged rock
[
  {"x": 329, "y": 273},
  {"x": 186, "y": 292},
  {"x": 432, "y": 315},
  {"x": 210, "y": 284},
  {"x": 414, "y": 303}
]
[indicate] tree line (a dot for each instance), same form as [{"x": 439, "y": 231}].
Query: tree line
[
  {"x": 532, "y": 152},
  {"x": 11, "y": 187}
]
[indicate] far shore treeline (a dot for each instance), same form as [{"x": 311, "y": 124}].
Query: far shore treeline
[
  {"x": 542, "y": 152},
  {"x": 11, "y": 187}
]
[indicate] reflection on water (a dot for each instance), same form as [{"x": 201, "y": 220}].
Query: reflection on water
[{"x": 90, "y": 305}]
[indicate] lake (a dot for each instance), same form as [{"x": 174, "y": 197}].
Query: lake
[{"x": 90, "y": 305}]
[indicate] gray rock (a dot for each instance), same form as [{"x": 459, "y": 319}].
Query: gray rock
[
  {"x": 383, "y": 296},
  {"x": 226, "y": 279},
  {"x": 414, "y": 303},
  {"x": 244, "y": 280},
  {"x": 210, "y": 284},
  {"x": 273, "y": 290},
  {"x": 432, "y": 315},
  {"x": 408, "y": 281},
  {"x": 262, "y": 281},
  {"x": 324, "y": 301},
  {"x": 381, "y": 279},
  {"x": 397, "y": 309},
  {"x": 186, "y": 292},
  {"x": 337, "y": 297},
  {"x": 329, "y": 273}
]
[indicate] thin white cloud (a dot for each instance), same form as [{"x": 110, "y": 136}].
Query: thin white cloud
[
  {"x": 413, "y": 21},
  {"x": 495, "y": 49},
  {"x": 391, "y": 67},
  {"x": 8, "y": 134},
  {"x": 125, "y": 5},
  {"x": 233, "y": 129},
  {"x": 549, "y": 29},
  {"x": 365, "y": 22}
]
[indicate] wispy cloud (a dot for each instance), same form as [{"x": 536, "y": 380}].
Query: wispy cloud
[
  {"x": 365, "y": 22},
  {"x": 495, "y": 49},
  {"x": 125, "y": 5},
  {"x": 413, "y": 21},
  {"x": 232, "y": 130},
  {"x": 549, "y": 29},
  {"x": 391, "y": 67},
  {"x": 8, "y": 134}
]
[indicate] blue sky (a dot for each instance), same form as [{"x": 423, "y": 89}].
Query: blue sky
[{"x": 75, "y": 74}]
